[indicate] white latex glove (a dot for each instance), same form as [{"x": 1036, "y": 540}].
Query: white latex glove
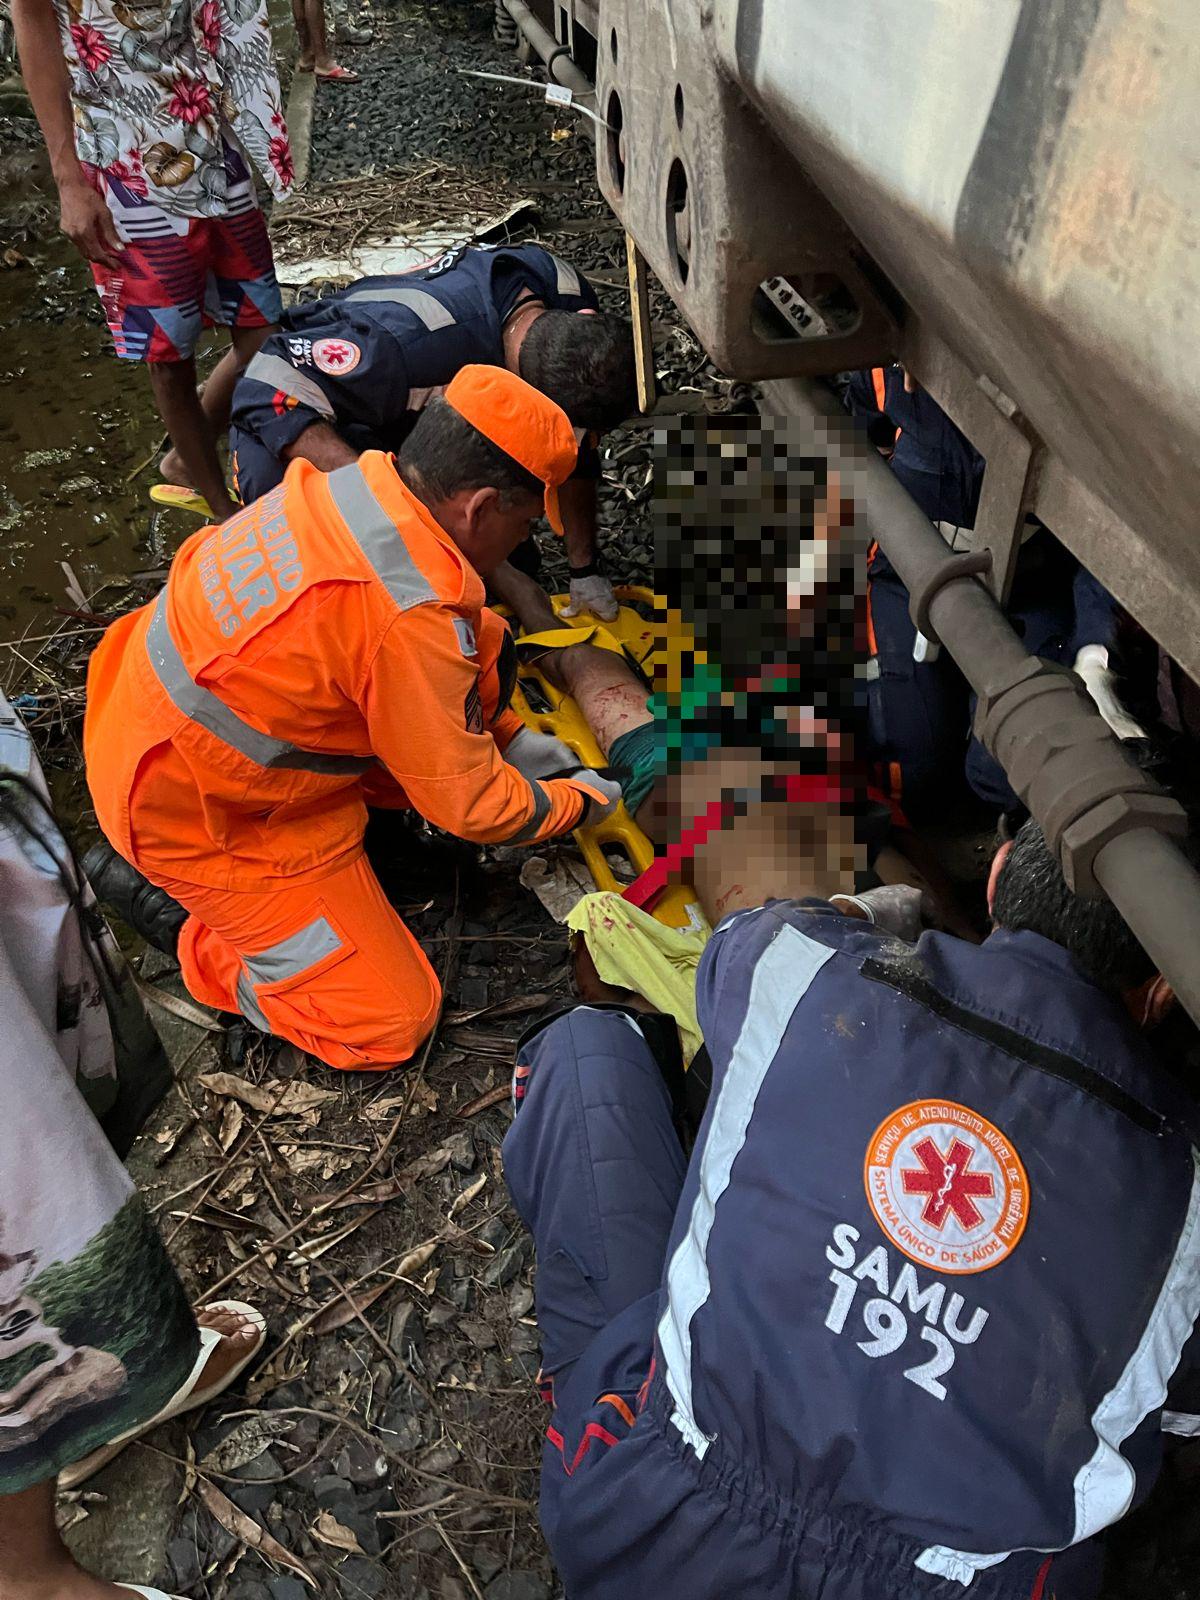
[
  {"x": 894, "y": 907},
  {"x": 598, "y": 811},
  {"x": 1092, "y": 666},
  {"x": 594, "y": 594},
  {"x": 539, "y": 755}
]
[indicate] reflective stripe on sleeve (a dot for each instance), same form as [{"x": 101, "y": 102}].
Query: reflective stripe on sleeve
[
  {"x": 281, "y": 375},
  {"x": 200, "y": 705},
  {"x": 568, "y": 278},
  {"x": 378, "y": 537},
  {"x": 420, "y": 302},
  {"x": 541, "y": 810}
]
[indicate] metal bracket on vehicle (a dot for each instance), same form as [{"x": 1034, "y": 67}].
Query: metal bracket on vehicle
[
  {"x": 993, "y": 424},
  {"x": 971, "y": 564},
  {"x": 1063, "y": 762}
]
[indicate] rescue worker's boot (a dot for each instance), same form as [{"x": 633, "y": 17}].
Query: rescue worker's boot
[{"x": 146, "y": 908}]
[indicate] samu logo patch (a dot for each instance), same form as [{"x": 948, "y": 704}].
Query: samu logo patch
[
  {"x": 335, "y": 357},
  {"x": 946, "y": 1187}
]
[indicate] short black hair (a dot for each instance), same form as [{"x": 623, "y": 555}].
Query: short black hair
[
  {"x": 445, "y": 454},
  {"x": 1031, "y": 895},
  {"x": 584, "y": 364}
]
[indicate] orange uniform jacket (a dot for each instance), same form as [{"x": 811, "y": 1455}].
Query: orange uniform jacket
[{"x": 327, "y": 631}]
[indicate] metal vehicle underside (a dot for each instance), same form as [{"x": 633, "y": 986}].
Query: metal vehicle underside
[{"x": 1006, "y": 198}]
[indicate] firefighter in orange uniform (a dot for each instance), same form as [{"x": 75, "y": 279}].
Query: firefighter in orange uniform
[{"x": 329, "y": 646}]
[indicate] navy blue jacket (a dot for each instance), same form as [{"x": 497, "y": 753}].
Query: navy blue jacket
[
  {"x": 934, "y": 460},
  {"x": 366, "y": 359},
  {"x": 934, "y": 1266}
]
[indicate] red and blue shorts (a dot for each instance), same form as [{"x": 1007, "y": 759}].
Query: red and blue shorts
[{"x": 180, "y": 275}]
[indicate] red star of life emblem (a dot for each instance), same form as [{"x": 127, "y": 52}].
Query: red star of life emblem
[
  {"x": 944, "y": 1178},
  {"x": 336, "y": 354}
]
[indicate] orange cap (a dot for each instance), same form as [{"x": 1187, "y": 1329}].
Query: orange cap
[{"x": 521, "y": 421}]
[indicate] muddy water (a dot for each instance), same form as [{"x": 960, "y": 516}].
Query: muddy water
[{"x": 75, "y": 424}]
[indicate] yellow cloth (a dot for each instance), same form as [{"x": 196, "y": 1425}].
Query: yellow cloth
[{"x": 631, "y": 949}]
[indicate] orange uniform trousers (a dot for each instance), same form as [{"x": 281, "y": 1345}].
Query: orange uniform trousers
[{"x": 327, "y": 964}]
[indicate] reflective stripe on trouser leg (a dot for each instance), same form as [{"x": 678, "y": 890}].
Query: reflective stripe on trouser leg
[
  {"x": 287, "y": 959},
  {"x": 367, "y": 1002}
]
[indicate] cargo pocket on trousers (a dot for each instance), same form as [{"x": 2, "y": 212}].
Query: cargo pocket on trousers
[{"x": 286, "y": 978}]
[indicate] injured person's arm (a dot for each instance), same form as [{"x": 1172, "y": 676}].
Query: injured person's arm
[{"x": 610, "y": 695}]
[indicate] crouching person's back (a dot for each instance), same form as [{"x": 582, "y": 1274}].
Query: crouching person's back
[{"x": 906, "y": 1325}]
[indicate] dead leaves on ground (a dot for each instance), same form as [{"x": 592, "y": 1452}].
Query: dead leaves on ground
[
  {"x": 243, "y": 1527},
  {"x": 330, "y": 1531},
  {"x": 273, "y": 1099}
]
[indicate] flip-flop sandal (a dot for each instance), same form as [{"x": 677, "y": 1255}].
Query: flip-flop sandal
[
  {"x": 181, "y": 499},
  {"x": 71, "y": 1477},
  {"x": 339, "y": 75}
]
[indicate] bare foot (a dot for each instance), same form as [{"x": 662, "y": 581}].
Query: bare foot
[
  {"x": 172, "y": 470},
  {"x": 238, "y": 1335}
]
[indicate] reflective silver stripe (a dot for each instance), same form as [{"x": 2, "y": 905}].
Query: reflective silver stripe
[
  {"x": 248, "y": 1004},
  {"x": 419, "y": 301},
  {"x": 287, "y": 959},
  {"x": 541, "y": 810},
  {"x": 282, "y": 375},
  {"x": 782, "y": 976},
  {"x": 378, "y": 538},
  {"x": 293, "y": 955},
  {"x": 202, "y": 706},
  {"x": 1105, "y": 1484},
  {"x": 568, "y": 278}
]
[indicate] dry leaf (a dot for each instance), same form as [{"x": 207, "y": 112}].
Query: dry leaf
[
  {"x": 232, "y": 1118},
  {"x": 183, "y": 1009},
  {"x": 301, "y": 1159},
  {"x": 14, "y": 258},
  {"x": 494, "y": 1097},
  {"x": 280, "y": 1100},
  {"x": 346, "y": 1309},
  {"x": 330, "y": 1531},
  {"x": 519, "y": 1006},
  {"x": 424, "y": 1102},
  {"x": 189, "y": 1474},
  {"x": 426, "y": 1166},
  {"x": 313, "y": 1249},
  {"x": 248, "y": 1531},
  {"x": 560, "y": 134},
  {"x": 245, "y": 1443},
  {"x": 463, "y": 1200},
  {"x": 416, "y": 1259}
]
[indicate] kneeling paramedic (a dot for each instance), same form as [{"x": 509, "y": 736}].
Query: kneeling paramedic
[
  {"x": 326, "y": 649},
  {"x": 899, "y": 1328},
  {"x": 353, "y": 371}
]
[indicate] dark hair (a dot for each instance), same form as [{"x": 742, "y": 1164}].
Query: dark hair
[
  {"x": 1031, "y": 894},
  {"x": 445, "y": 454},
  {"x": 584, "y": 364}
]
